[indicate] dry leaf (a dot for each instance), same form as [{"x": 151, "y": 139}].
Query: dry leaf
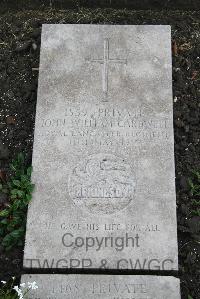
[
  {"x": 194, "y": 74},
  {"x": 174, "y": 48},
  {"x": 2, "y": 176},
  {"x": 185, "y": 47},
  {"x": 10, "y": 120}
]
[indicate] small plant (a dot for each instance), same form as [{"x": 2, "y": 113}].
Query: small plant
[
  {"x": 9, "y": 291},
  {"x": 194, "y": 183},
  {"x": 19, "y": 191},
  {"x": 189, "y": 297}
]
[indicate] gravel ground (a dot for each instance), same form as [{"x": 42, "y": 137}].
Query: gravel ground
[{"x": 20, "y": 34}]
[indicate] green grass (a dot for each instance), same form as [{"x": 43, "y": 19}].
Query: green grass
[
  {"x": 7, "y": 291},
  {"x": 19, "y": 191},
  {"x": 10, "y": 291},
  {"x": 194, "y": 183}
]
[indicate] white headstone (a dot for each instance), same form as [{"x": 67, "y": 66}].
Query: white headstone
[{"x": 103, "y": 155}]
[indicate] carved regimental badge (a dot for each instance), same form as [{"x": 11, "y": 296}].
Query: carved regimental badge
[{"x": 102, "y": 183}]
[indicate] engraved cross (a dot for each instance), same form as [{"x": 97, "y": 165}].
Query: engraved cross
[{"x": 105, "y": 63}]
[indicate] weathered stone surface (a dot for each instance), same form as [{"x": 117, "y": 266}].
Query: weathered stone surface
[
  {"x": 104, "y": 286},
  {"x": 103, "y": 151}
]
